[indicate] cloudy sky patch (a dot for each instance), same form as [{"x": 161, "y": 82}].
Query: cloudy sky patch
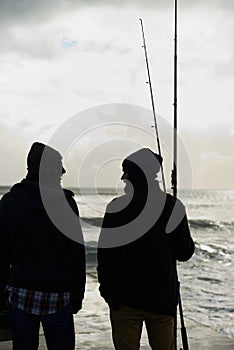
[{"x": 61, "y": 57}]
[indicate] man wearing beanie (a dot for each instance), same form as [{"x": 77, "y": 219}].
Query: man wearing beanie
[
  {"x": 144, "y": 232},
  {"x": 42, "y": 266}
]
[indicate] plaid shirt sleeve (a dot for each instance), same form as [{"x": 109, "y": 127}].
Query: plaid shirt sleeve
[{"x": 37, "y": 302}]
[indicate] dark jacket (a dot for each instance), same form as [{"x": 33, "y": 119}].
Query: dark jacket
[
  {"x": 140, "y": 270},
  {"x": 34, "y": 254}
]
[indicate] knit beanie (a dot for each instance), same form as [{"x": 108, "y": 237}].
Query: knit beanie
[
  {"x": 51, "y": 159},
  {"x": 142, "y": 164}
]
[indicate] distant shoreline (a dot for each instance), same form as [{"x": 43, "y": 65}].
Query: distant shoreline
[{"x": 114, "y": 189}]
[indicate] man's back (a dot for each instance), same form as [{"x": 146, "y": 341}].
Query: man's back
[
  {"x": 141, "y": 272},
  {"x": 42, "y": 257}
]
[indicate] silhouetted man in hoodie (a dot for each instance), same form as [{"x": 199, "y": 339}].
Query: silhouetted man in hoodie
[
  {"x": 144, "y": 232},
  {"x": 42, "y": 256}
]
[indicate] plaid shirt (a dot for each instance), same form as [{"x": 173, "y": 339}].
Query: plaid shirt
[{"x": 38, "y": 303}]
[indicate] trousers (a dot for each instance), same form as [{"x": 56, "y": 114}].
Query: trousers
[
  {"x": 127, "y": 322},
  {"x": 58, "y": 330}
]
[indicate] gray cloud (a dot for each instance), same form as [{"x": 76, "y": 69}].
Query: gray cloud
[
  {"x": 97, "y": 47},
  {"x": 211, "y": 150},
  {"x": 42, "y": 47},
  {"x": 16, "y": 11},
  {"x": 13, "y": 155},
  {"x": 44, "y": 41},
  {"x": 20, "y": 19},
  {"x": 27, "y": 46},
  {"x": 28, "y": 11}
]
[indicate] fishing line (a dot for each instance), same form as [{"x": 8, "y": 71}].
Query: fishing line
[{"x": 152, "y": 101}]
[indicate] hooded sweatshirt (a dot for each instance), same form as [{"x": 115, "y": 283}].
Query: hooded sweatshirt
[
  {"x": 34, "y": 252},
  {"x": 142, "y": 237}
]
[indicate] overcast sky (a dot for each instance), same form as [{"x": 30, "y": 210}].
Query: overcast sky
[{"x": 60, "y": 58}]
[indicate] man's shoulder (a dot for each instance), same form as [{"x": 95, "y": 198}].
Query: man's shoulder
[
  {"x": 174, "y": 200},
  {"x": 118, "y": 203},
  {"x": 7, "y": 195},
  {"x": 68, "y": 193}
]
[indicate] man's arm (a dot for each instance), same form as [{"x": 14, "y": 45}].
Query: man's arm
[
  {"x": 184, "y": 244},
  {"x": 79, "y": 260},
  {"x": 109, "y": 262},
  {"x": 4, "y": 256}
]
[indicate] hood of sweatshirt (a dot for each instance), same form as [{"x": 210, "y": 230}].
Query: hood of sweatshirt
[
  {"x": 32, "y": 194},
  {"x": 29, "y": 205}
]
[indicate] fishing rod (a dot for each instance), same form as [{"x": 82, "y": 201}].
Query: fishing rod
[
  {"x": 174, "y": 168},
  {"x": 152, "y": 101},
  {"x": 174, "y": 171},
  {"x": 183, "y": 328},
  {"x": 174, "y": 182}
]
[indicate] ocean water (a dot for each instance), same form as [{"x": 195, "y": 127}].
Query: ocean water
[{"x": 207, "y": 280}]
